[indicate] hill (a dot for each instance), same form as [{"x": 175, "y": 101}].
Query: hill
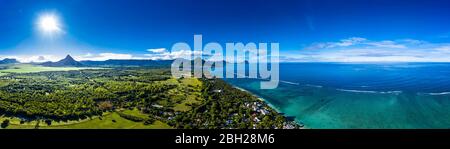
[
  {"x": 66, "y": 62},
  {"x": 9, "y": 61}
]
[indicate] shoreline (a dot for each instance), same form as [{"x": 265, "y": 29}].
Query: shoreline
[
  {"x": 303, "y": 126},
  {"x": 260, "y": 98}
]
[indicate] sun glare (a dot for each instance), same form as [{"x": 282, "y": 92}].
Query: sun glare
[{"x": 49, "y": 23}]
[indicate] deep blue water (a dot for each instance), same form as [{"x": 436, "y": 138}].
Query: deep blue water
[{"x": 343, "y": 95}]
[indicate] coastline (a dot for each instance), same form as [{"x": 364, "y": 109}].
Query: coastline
[
  {"x": 301, "y": 125},
  {"x": 260, "y": 98}
]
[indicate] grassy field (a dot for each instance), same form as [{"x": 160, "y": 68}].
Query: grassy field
[
  {"x": 107, "y": 123},
  {"x": 180, "y": 95},
  {"x": 110, "y": 120},
  {"x": 29, "y": 68},
  {"x": 187, "y": 97}
]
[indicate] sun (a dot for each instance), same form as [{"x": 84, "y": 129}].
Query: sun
[{"x": 49, "y": 23}]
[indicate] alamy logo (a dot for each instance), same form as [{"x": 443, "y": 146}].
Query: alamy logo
[{"x": 238, "y": 60}]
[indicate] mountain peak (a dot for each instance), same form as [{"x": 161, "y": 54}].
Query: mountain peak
[
  {"x": 66, "y": 62},
  {"x": 68, "y": 57}
]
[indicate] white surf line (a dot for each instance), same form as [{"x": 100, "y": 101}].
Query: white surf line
[
  {"x": 372, "y": 92},
  {"x": 441, "y": 93},
  {"x": 311, "y": 85},
  {"x": 356, "y": 91},
  {"x": 282, "y": 81},
  {"x": 287, "y": 82}
]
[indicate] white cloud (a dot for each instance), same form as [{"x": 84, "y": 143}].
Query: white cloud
[
  {"x": 35, "y": 58},
  {"x": 104, "y": 56},
  {"x": 364, "y": 50},
  {"x": 186, "y": 54},
  {"x": 157, "y": 54},
  {"x": 89, "y": 55},
  {"x": 445, "y": 49},
  {"x": 342, "y": 43},
  {"x": 413, "y": 41},
  {"x": 158, "y": 50},
  {"x": 386, "y": 44},
  {"x": 350, "y": 41},
  {"x": 358, "y": 41}
]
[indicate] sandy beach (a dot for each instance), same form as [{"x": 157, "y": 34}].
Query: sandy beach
[{"x": 269, "y": 104}]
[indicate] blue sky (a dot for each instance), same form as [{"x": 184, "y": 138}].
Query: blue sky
[{"x": 307, "y": 30}]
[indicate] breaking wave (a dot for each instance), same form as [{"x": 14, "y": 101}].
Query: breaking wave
[
  {"x": 370, "y": 92},
  {"x": 435, "y": 94}
]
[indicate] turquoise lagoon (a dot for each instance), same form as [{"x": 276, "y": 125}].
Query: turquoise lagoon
[{"x": 352, "y": 95}]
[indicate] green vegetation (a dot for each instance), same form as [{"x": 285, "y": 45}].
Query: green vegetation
[
  {"x": 132, "y": 97},
  {"x": 189, "y": 94},
  {"x": 227, "y": 107},
  {"x": 29, "y": 68},
  {"x": 107, "y": 121}
]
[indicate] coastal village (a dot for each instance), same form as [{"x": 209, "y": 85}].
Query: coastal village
[
  {"x": 259, "y": 111},
  {"x": 247, "y": 111}
]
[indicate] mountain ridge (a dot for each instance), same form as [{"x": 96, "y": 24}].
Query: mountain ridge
[
  {"x": 66, "y": 62},
  {"x": 9, "y": 61}
]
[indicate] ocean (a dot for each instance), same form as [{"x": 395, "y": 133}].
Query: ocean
[{"x": 360, "y": 95}]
